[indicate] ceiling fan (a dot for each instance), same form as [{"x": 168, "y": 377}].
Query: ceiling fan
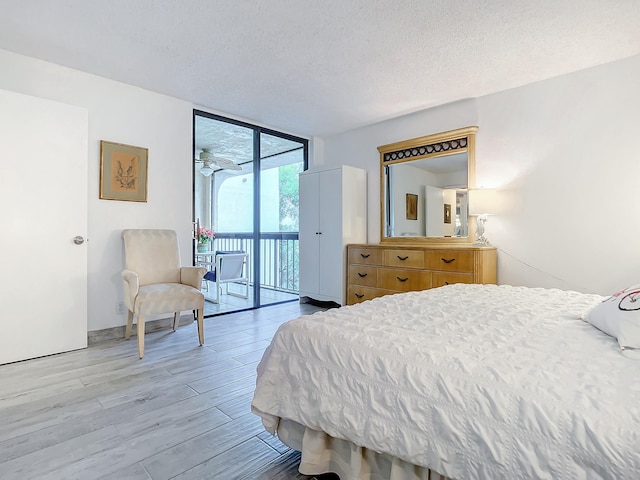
[{"x": 208, "y": 160}]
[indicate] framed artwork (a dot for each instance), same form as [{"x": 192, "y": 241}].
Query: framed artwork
[
  {"x": 447, "y": 213},
  {"x": 123, "y": 172},
  {"x": 412, "y": 206}
]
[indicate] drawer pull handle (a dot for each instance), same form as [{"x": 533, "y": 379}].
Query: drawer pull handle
[
  {"x": 448, "y": 261},
  {"x": 358, "y": 295},
  {"x": 403, "y": 279},
  {"x": 446, "y": 283},
  {"x": 362, "y": 275},
  {"x": 402, "y": 258},
  {"x": 365, "y": 256}
]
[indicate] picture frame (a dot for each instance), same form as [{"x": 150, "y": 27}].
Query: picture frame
[
  {"x": 447, "y": 213},
  {"x": 123, "y": 172},
  {"x": 412, "y": 206}
]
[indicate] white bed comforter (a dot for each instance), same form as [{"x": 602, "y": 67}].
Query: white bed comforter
[{"x": 473, "y": 381}]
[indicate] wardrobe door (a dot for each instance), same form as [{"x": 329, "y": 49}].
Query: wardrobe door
[{"x": 309, "y": 221}]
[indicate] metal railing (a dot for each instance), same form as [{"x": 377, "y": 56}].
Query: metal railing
[{"x": 278, "y": 256}]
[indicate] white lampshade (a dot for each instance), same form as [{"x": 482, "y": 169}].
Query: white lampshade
[{"x": 482, "y": 202}]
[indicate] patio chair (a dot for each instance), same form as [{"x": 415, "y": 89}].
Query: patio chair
[
  {"x": 230, "y": 267},
  {"x": 155, "y": 283}
]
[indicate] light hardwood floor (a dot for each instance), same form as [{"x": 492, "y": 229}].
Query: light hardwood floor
[{"x": 181, "y": 412}]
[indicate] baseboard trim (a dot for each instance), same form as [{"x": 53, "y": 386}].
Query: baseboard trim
[{"x": 98, "y": 336}]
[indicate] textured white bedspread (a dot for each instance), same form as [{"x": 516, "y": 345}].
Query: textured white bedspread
[{"x": 473, "y": 381}]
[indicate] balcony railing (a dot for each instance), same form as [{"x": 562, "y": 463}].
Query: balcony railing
[{"x": 278, "y": 257}]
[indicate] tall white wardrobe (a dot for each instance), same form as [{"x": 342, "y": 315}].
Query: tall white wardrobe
[{"x": 333, "y": 213}]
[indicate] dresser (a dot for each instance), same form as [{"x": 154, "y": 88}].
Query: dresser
[{"x": 376, "y": 270}]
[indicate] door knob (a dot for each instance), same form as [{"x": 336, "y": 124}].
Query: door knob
[{"x": 78, "y": 240}]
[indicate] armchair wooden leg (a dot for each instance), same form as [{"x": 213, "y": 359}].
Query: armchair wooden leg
[
  {"x": 140, "y": 336},
  {"x": 176, "y": 320},
  {"x": 127, "y": 329},
  {"x": 201, "y": 325}
]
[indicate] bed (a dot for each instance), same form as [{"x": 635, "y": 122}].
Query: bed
[{"x": 461, "y": 382}]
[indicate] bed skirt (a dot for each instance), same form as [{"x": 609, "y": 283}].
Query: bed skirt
[{"x": 323, "y": 454}]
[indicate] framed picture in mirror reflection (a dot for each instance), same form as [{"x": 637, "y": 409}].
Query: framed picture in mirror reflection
[
  {"x": 447, "y": 213},
  {"x": 412, "y": 206}
]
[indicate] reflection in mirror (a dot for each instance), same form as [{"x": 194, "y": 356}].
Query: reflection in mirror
[
  {"x": 424, "y": 187},
  {"x": 440, "y": 186}
]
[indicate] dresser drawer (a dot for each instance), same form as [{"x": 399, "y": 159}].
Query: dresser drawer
[
  {"x": 439, "y": 279},
  {"x": 450, "y": 261},
  {"x": 365, "y": 256},
  {"x": 404, "y": 258},
  {"x": 357, "y": 293},
  {"x": 364, "y": 275},
  {"x": 402, "y": 280},
  {"x": 377, "y": 270}
]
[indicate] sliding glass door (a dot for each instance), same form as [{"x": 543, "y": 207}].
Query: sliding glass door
[
  {"x": 281, "y": 160},
  {"x": 254, "y": 215}
]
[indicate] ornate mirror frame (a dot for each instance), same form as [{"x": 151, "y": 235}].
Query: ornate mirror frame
[{"x": 436, "y": 145}]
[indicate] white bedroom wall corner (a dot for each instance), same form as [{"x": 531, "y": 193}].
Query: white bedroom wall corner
[
  {"x": 358, "y": 147},
  {"x": 124, "y": 114},
  {"x": 316, "y": 153},
  {"x": 354, "y": 201},
  {"x": 557, "y": 151},
  {"x": 523, "y": 147},
  {"x": 163, "y": 125}
]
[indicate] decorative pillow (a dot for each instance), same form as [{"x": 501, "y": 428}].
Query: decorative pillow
[{"x": 619, "y": 316}]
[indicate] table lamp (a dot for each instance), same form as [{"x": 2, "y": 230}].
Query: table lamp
[{"x": 482, "y": 203}]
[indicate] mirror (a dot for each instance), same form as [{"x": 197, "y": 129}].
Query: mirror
[{"x": 423, "y": 186}]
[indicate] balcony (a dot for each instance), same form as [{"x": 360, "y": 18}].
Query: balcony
[{"x": 278, "y": 270}]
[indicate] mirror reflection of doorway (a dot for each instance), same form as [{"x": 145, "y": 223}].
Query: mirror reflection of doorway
[{"x": 255, "y": 215}]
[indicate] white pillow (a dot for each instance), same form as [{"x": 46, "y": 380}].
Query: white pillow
[{"x": 619, "y": 316}]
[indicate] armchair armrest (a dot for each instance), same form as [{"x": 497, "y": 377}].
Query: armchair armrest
[
  {"x": 131, "y": 287},
  {"x": 192, "y": 276}
]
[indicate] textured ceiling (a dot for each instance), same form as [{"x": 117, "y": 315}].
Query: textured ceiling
[{"x": 323, "y": 67}]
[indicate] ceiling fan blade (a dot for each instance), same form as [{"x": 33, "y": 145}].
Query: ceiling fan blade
[
  {"x": 209, "y": 159},
  {"x": 226, "y": 163}
]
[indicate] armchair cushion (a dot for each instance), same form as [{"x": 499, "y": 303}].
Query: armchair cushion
[{"x": 167, "y": 297}]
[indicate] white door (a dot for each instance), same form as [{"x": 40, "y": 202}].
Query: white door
[
  {"x": 43, "y": 193},
  {"x": 434, "y": 211}
]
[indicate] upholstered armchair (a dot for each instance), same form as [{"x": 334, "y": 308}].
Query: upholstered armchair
[{"x": 155, "y": 283}]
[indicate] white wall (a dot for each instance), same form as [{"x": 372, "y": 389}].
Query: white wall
[
  {"x": 359, "y": 148},
  {"x": 124, "y": 114},
  {"x": 562, "y": 152}
]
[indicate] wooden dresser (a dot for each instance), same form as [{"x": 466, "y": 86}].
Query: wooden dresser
[{"x": 377, "y": 270}]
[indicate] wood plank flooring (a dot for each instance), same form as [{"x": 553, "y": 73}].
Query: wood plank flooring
[{"x": 182, "y": 412}]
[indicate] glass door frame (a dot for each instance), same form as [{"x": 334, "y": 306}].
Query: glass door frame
[{"x": 256, "y": 234}]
